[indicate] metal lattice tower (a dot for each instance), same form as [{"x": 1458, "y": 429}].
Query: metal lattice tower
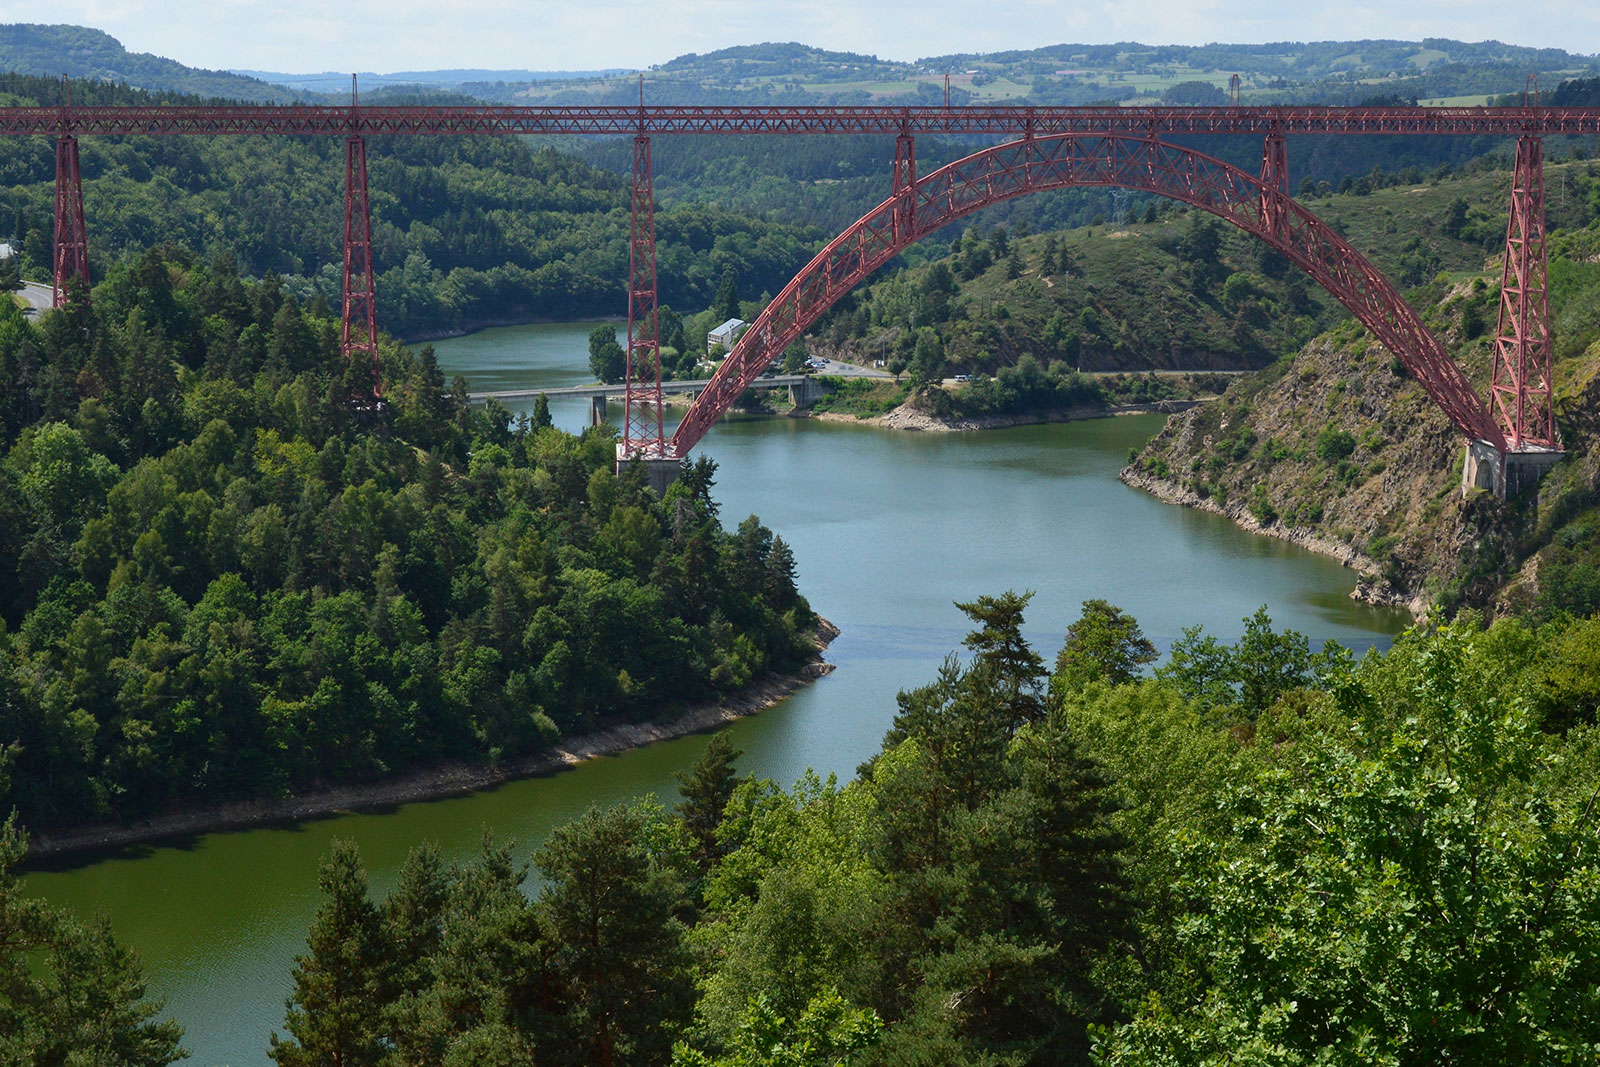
[
  {"x": 904, "y": 186},
  {"x": 70, "y": 270},
  {"x": 358, "y": 336},
  {"x": 1274, "y": 182},
  {"x": 1521, "y": 387},
  {"x": 642, "y": 428}
]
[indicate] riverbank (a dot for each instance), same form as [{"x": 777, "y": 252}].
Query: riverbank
[
  {"x": 906, "y": 417},
  {"x": 1372, "y": 588},
  {"x": 433, "y": 783}
]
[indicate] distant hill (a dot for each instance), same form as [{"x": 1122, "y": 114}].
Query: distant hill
[
  {"x": 334, "y": 82},
  {"x": 1433, "y": 70},
  {"x": 80, "y": 52}
]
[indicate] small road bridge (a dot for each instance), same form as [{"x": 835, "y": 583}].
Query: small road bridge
[
  {"x": 804, "y": 389},
  {"x": 1512, "y": 430}
]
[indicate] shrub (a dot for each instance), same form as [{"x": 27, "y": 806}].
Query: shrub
[{"x": 1334, "y": 445}]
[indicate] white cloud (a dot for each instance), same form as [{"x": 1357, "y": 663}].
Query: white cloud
[{"x": 388, "y": 35}]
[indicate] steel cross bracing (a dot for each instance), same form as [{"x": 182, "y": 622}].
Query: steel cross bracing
[
  {"x": 71, "y": 264},
  {"x": 1038, "y": 164},
  {"x": 1274, "y": 182},
  {"x": 359, "y": 333},
  {"x": 891, "y": 121},
  {"x": 1521, "y": 384},
  {"x": 901, "y": 187},
  {"x": 642, "y": 433}
]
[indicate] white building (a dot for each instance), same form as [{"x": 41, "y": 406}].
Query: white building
[{"x": 725, "y": 335}]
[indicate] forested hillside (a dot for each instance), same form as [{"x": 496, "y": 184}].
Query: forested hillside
[
  {"x": 88, "y": 54},
  {"x": 1260, "y": 855},
  {"x": 218, "y": 579}
]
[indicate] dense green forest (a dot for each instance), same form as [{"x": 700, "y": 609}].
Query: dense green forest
[
  {"x": 1261, "y": 855},
  {"x": 218, "y": 578}
]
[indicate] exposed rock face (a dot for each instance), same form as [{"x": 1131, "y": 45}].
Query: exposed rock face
[{"x": 1342, "y": 452}]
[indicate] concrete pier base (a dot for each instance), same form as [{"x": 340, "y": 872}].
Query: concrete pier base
[
  {"x": 659, "y": 472},
  {"x": 805, "y": 392},
  {"x": 1505, "y": 474},
  {"x": 597, "y": 410}
]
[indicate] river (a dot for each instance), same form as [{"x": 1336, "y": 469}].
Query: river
[{"x": 888, "y": 530}]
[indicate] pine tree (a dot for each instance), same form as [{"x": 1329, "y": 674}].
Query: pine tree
[
  {"x": 541, "y": 412},
  {"x": 412, "y": 919},
  {"x": 333, "y": 1015},
  {"x": 1105, "y": 644},
  {"x": 1013, "y": 667},
  {"x": 780, "y": 586},
  {"x": 705, "y": 793},
  {"x": 610, "y": 909},
  {"x": 1048, "y": 261},
  {"x": 487, "y": 972},
  {"x": 69, "y": 994}
]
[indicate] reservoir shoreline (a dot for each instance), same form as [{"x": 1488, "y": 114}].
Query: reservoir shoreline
[
  {"x": 908, "y": 418},
  {"x": 437, "y": 782},
  {"x": 1370, "y": 589}
]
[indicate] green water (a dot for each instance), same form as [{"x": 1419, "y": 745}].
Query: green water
[{"x": 887, "y": 528}]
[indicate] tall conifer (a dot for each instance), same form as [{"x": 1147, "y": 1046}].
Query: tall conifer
[{"x": 333, "y": 1013}]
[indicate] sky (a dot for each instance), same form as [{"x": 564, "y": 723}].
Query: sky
[{"x": 308, "y": 36}]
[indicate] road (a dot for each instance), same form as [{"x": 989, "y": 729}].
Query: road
[{"x": 39, "y": 298}]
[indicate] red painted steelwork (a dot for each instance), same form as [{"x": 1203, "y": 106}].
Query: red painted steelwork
[
  {"x": 359, "y": 334},
  {"x": 1521, "y": 386},
  {"x": 905, "y": 178},
  {"x": 1035, "y": 165},
  {"x": 642, "y": 433},
  {"x": 892, "y": 121},
  {"x": 72, "y": 243},
  {"x": 1521, "y": 391},
  {"x": 1274, "y": 182}
]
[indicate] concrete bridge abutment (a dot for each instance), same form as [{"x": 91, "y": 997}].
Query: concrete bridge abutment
[
  {"x": 1506, "y": 474},
  {"x": 660, "y": 472},
  {"x": 806, "y": 392}
]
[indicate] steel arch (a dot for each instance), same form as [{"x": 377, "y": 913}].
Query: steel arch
[{"x": 1032, "y": 165}]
